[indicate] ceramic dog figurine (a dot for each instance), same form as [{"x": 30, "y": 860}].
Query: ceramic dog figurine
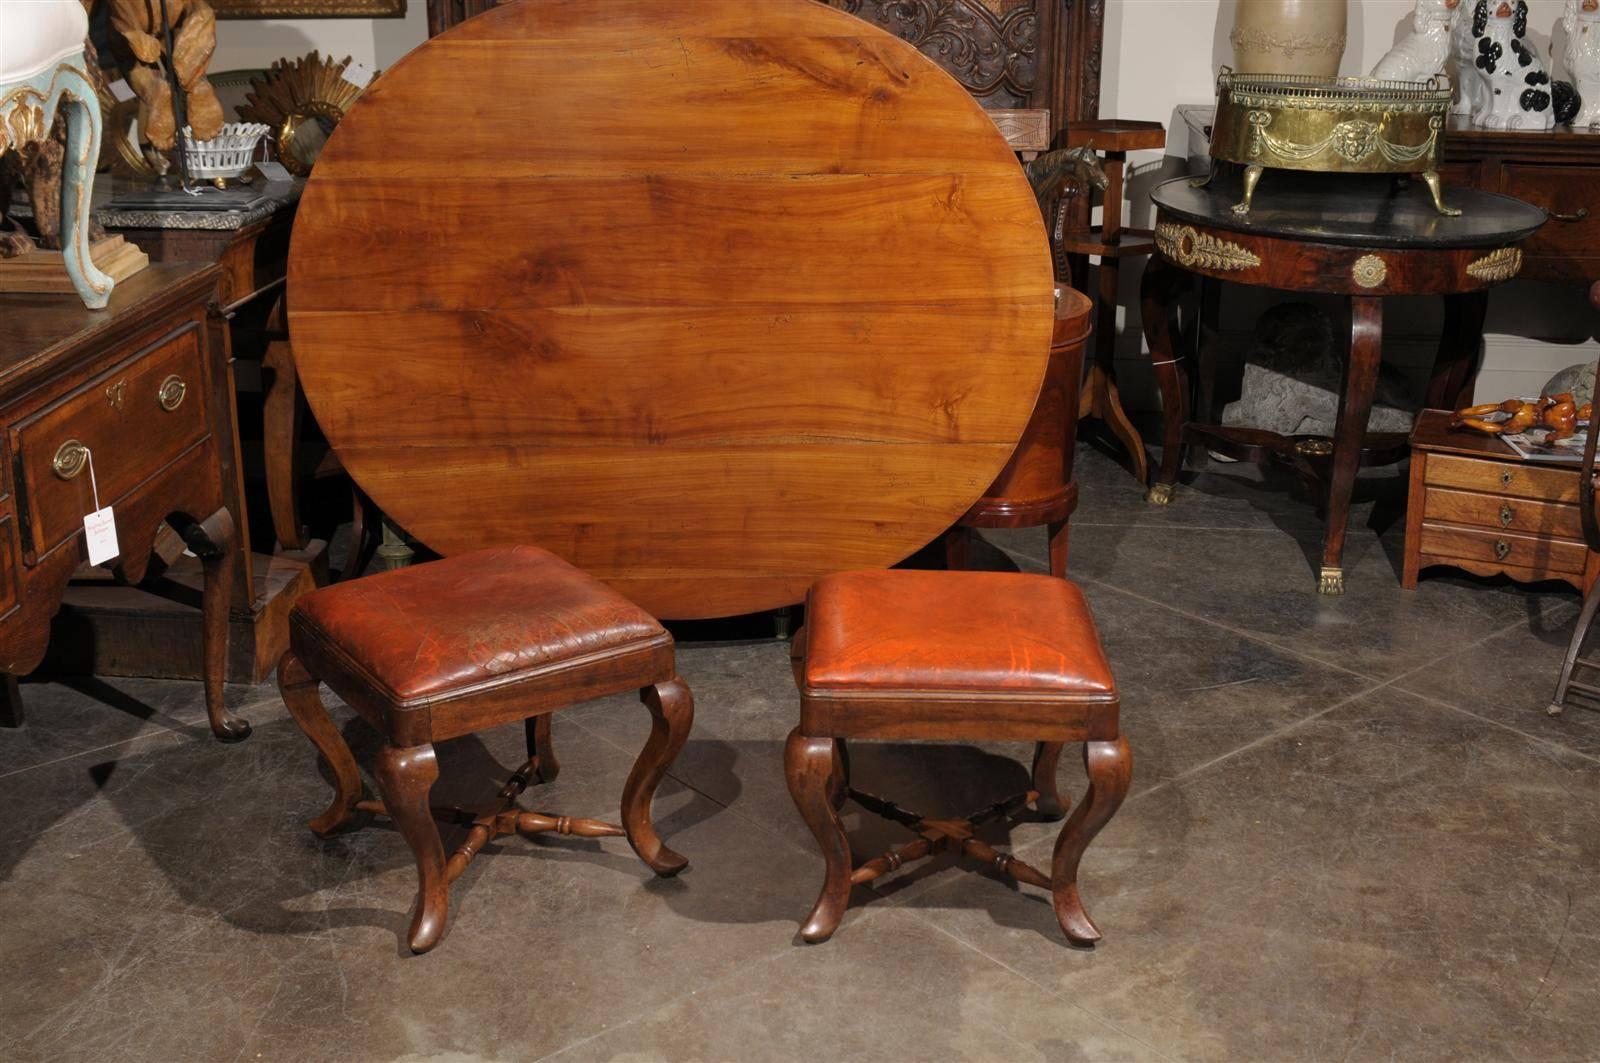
[
  {"x": 1581, "y": 20},
  {"x": 1506, "y": 80},
  {"x": 1425, "y": 51}
]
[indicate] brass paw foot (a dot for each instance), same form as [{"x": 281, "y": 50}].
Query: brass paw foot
[
  {"x": 1331, "y": 581},
  {"x": 1159, "y": 494}
]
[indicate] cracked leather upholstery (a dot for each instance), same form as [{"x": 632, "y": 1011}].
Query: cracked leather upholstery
[
  {"x": 903, "y": 631},
  {"x": 431, "y": 629}
]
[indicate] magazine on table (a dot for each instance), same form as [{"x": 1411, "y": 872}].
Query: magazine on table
[{"x": 1536, "y": 445}]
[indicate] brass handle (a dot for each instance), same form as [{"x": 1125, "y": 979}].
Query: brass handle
[
  {"x": 1501, "y": 549},
  {"x": 1577, "y": 215},
  {"x": 1505, "y": 478},
  {"x": 171, "y": 392},
  {"x": 1506, "y": 514},
  {"x": 70, "y": 459}
]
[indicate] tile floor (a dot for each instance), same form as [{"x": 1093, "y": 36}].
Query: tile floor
[{"x": 1353, "y": 834}]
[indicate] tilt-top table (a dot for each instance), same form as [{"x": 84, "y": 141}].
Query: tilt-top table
[{"x": 1364, "y": 238}]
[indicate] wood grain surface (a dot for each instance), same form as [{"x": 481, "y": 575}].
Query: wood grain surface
[{"x": 709, "y": 297}]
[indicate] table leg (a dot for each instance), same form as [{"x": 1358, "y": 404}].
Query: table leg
[
  {"x": 216, "y": 543},
  {"x": 1158, "y": 302},
  {"x": 1355, "y": 407},
  {"x": 280, "y": 429},
  {"x": 1460, "y": 346}
]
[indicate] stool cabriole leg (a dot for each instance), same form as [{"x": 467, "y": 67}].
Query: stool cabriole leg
[
  {"x": 809, "y": 766},
  {"x": 1110, "y": 768},
  {"x": 298, "y": 688},
  {"x": 1046, "y": 761},
  {"x": 406, "y": 775},
  {"x": 672, "y": 713},
  {"x": 541, "y": 747}
]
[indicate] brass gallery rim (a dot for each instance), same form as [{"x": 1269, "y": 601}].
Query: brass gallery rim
[{"x": 1350, "y": 125}]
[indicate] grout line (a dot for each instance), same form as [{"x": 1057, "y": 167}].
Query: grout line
[
  {"x": 92, "y": 752},
  {"x": 1049, "y": 991},
  {"x": 1537, "y": 739}
]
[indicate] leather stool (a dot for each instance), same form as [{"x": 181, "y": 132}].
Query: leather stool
[
  {"x": 964, "y": 656},
  {"x": 440, "y": 650}
]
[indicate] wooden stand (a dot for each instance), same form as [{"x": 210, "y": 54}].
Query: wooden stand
[
  {"x": 1110, "y": 242},
  {"x": 45, "y": 272}
]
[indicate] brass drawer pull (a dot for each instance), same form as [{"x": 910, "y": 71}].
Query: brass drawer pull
[
  {"x": 171, "y": 392},
  {"x": 1577, "y": 215},
  {"x": 1501, "y": 549},
  {"x": 70, "y": 459},
  {"x": 1505, "y": 478},
  {"x": 1506, "y": 515}
]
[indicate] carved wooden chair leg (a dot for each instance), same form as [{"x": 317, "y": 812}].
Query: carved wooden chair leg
[
  {"x": 1046, "y": 761},
  {"x": 1110, "y": 768},
  {"x": 541, "y": 747},
  {"x": 809, "y": 764},
  {"x": 11, "y": 710},
  {"x": 406, "y": 775},
  {"x": 839, "y": 783},
  {"x": 672, "y": 713},
  {"x": 299, "y": 691},
  {"x": 214, "y": 542}
]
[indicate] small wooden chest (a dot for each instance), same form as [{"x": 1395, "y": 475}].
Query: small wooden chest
[{"x": 1474, "y": 504}]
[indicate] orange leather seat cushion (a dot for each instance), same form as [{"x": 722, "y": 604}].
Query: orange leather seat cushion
[
  {"x": 432, "y": 629},
  {"x": 902, "y": 631}
]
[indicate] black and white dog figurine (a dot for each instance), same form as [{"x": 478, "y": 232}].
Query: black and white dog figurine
[{"x": 1503, "y": 78}]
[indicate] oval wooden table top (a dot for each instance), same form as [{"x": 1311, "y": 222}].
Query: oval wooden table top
[{"x": 709, "y": 297}]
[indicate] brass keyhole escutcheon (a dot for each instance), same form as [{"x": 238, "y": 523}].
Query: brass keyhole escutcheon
[
  {"x": 116, "y": 394},
  {"x": 1501, "y": 549},
  {"x": 1505, "y": 478},
  {"x": 1506, "y": 515},
  {"x": 70, "y": 459},
  {"x": 171, "y": 392}
]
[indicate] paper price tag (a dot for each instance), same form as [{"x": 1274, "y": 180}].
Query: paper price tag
[
  {"x": 121, "y": 90},
  {"x": 357, "y": 75},
  {"x": 100, "y": 534},
  {"x": 273, "y": 171}
]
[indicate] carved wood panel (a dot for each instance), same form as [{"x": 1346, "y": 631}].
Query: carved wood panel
[{"x": 1008, "y": 53}]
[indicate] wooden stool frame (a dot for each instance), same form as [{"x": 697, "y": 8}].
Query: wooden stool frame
[{"x": 817, "y": 766}]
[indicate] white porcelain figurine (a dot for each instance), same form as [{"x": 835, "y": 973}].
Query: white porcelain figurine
[
  {"x": 1424, "y": 52},
  {"x": 1505, "y": 78},
  {"x": 1581, "y": 20}
]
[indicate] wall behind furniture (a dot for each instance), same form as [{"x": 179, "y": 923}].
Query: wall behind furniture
[
  {"x": 1159, "y": 55},
  {"x": 1162, "y": 54}
]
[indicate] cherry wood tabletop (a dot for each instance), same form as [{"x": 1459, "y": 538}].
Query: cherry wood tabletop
[{"x": 709, "y": 297}]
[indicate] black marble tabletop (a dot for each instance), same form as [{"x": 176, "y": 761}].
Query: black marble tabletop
[{"x": 1358, "y": 210}]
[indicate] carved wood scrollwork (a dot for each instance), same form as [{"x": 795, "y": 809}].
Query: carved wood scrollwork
[{"x": 993, "y": 53}]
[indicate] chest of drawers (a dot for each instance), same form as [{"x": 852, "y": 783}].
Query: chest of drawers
[
  {"x": 126, "y": 407},
  {"x": 1473, "y": 504}
]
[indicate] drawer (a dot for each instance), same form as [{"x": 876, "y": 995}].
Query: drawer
[
  {"x": 1502, "y": 513},
  {"x": 1517, "y": 480},
  {"x": 1540, "y": 553},
  {"x": 1571, "y": 191},
  {"x": 134, "y": 418}
]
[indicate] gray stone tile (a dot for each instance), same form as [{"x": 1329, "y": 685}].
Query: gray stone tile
[
  {"x": 889, "y": 987},
  {"x": 1393, "y": 879},
  {"x": 1263, "y": 583}
]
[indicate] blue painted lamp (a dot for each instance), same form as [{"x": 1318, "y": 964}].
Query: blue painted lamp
[{"x": 42, "y": 68}]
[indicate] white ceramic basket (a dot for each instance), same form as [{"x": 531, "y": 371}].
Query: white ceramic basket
[{"x": 226, "y": 155}]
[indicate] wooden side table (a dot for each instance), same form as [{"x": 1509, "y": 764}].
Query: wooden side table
[
  {"x": 1337, "y": 235},
  {"x": 1475, "y": 504},
  {"x": 1111, "y": 242}
]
